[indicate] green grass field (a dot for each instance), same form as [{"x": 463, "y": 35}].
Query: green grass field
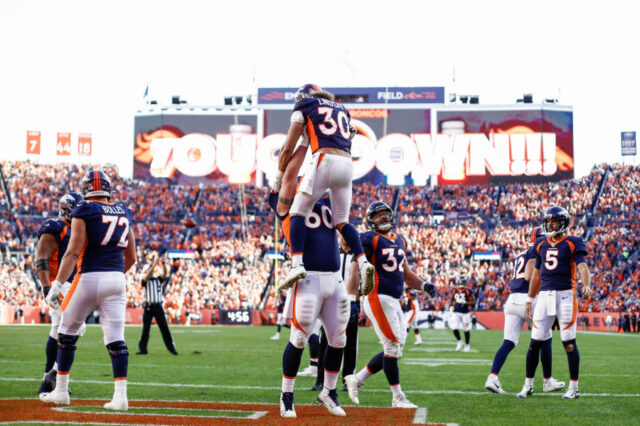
[{"x": 241, "y": 364}]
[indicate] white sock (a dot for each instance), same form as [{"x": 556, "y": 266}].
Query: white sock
[
  {"x": 528, "y": 381},
  {"x": 288, "y": 384},
  {"x": 120, "y": 388},
  {"x": 296, "y": 260},
  {"x": 573, "y": 384},
  {"x": 396, "y": 390},
  {"x": 330, "y": 379},
  {"x": 62, "y": 383},
  {"x": 363, "y": 374}
]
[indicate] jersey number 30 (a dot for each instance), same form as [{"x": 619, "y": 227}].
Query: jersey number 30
[{"x": 114, "y": 221}]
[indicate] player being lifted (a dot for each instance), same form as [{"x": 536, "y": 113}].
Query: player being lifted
[
  {"x": 321, "y": 293},
  {"x": 328, "y": 127},
  {"x": 103, "y": 246},
  {"x": 515, "y": 317},
  {"x": 461, "y": 299},
  {"x": 388, "y": 252},
  {"x": 53, "y": 239},
  {"x": 553, "y": 281}
]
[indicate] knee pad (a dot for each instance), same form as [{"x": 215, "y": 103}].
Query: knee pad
[
  {"x": 339, "y": 341},
  {"x": 306, "y": 313},
  {"x": 118, "y": 348},
  {"x": 67, "y": 341},
  {"x": 569, "y": 345},
  {"x": 393, "y": 349},
  {"x": 297, "y": 338}
]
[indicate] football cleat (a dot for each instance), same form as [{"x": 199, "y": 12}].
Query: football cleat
[
  {"x": 353, "y": 386},
  {"x": 294, "y": 275},
  {"x": 572, "y": 393},
  {"x": 460, "y": 345},
  {"x": 286, "y": 405},
  {"x": 310, "y": 371},
  {"x": 317, "y": 387},
  {"x": 58, "y": 398},
  {"x": 493, "y": 384},
  {"x": 329, "y": 398},
  {"x": 401, "y": 401},
  {"x": 552, "y": 385},
  {"x": 525, "y": 392},
  {"x": 117, "y": 404},
  {"x": 367, "y": 274},
  {"x": 467, "y": 348},
  {"x": 275, "y": 336}
]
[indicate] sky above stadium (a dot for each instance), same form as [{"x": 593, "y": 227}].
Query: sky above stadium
[{"x": 83, "y": 66}]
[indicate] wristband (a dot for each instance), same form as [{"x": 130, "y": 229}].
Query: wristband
[{"x": 530, "y": 299}]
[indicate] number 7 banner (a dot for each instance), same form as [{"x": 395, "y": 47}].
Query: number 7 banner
[{"x": 33, "y": 142}]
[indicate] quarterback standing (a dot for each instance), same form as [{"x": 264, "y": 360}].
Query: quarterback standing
[
  {"x": 103, "y": 247},
  {"x": 328, "y": 127},
  {"x": 515, "y": 317},
  {"x": 553, "y": 281},
  {"x": 388, "y": 252}
]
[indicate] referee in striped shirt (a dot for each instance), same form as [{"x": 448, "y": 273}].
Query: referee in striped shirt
[{"x": 154, "y": 284}]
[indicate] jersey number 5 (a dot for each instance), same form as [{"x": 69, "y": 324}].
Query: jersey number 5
[
  {"x": 114, "y": 221},
  {"x": 551, "y": 260}
]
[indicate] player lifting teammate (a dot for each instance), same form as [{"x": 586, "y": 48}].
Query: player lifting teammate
[
  {"x": 388, "y": 252},
  {"x": 53, "y": 239},
  {"x": 321, "y": 293},
  {"x": 103, "y": 246},
  {"x": 515, "y": 317},
  {"x": 553, "y": 281},
  {"x": 328, "y": 127}
]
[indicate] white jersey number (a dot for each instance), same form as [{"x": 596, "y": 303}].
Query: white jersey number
[
  {"x": 114, "y": 221},
  {"x": 551, "y": 260}
]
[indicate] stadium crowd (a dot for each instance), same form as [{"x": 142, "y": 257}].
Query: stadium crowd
[{"x": 230, "y": 266}]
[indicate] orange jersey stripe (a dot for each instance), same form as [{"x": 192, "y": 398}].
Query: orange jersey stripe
[
  {"x": 574, "y": 314},
  {"x": 72, "y": 289},
  {"x": 313, "y": 138},
  {"x": 294, "y": 321},
  {"x": 53, "y": 265}
]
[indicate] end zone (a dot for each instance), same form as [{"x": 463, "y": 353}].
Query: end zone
[{"x": 90, "y": 411}]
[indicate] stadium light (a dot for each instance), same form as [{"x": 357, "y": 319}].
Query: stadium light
[
  {"x": 527, "y": 98},
  {"x": 238, "y": 100},
  {"x": 464, "y": 98},
  {"x": 474, "y": 99},
  {"x": 228, "y": 100},
  {"x": 175, "y": 100}
]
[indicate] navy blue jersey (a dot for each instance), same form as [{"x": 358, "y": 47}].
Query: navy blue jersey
[
  {"x": 321, "y": 251},
  {"x": 518, "y": 284},
  {"x": 61, "y": 230},
  {"x": 282, "y": 299},
  {"x": 327, "y": 123},
  {"x": 462, "y": 296},
  {"x": 557, "y": 261},
  {"x": 107, "y": 235},
  {"x": 387, "y": 253}
]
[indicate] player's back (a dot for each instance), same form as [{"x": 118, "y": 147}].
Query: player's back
[
  {"x": 518, "y": 283},
  {"x": 387, "y": 253},
  {"x": 60, "y": 229},
  {"x": 107, "y": 226},
  {"x": 557, "y": 261},
  {"x": 327, "y": 123}
]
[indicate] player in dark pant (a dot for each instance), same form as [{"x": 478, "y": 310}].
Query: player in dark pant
[{"x": 154, "y": 284}]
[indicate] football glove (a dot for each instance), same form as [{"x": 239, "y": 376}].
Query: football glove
[
  {"x": 54, "y": 293},
  {"x": 276, "y": 182},
  {"x": 429, "y": 289}
]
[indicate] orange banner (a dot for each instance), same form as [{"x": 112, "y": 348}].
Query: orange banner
[
  {"x": 63, "y": 145},
  {"x": 33, "y": 142},
  {"x": 84, "y": 144}
]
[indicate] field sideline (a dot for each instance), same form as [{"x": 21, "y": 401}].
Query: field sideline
[{"x": 236, "y": 364}]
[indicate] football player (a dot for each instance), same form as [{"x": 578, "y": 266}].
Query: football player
[
  {"x": 515, "y": 317},
  {"x": 409, "y": 310},
  {"x": 328, "y": 126},
  {"x": 557, "y": 255},
  {"x": 461, "y": 299},
  {"x": 388, "y": 252},
  {"x": 103, "y": 246},
  {"x": 53, "y": 238},
  {"x": 321, "y": 293}
]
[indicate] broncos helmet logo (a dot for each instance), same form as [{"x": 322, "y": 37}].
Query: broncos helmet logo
[
  {"x": 67, "y": 203},
  {"x": 559, "y": 214}
]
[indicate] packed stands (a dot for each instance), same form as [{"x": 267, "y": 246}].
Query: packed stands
[{"x": 231, "y": 267}]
